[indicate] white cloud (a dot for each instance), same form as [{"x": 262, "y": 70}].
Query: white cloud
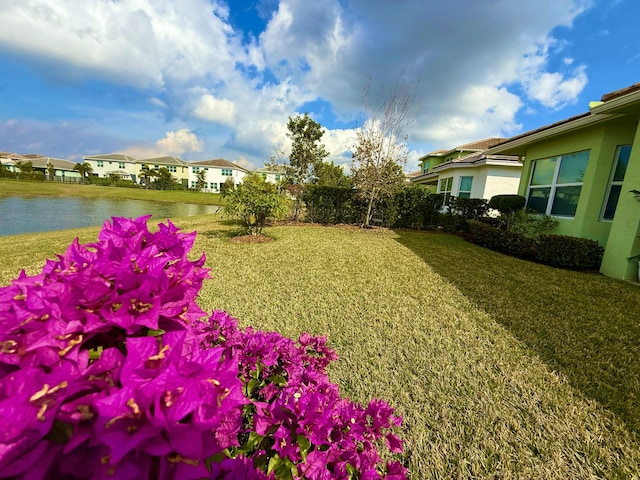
[
  {"x": 217, "y": 110},
  {"x": 470, "y": 60},
  {"x": 174, "y": 143}
]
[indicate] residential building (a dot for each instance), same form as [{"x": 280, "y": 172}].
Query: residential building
[
  {"x": 217, "y": 171},
  {"x": 271, "y": 174},
  {"x": 111, "y": 164},
  {"x": 178, "y": 168},
  {"x": 467, "y": 171},
  {"x": 581, "y": 171},
  {"x": 63, "y": 170}
]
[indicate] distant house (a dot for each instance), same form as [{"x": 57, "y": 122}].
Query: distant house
[
  {"x": 63, "y": 170},
  {"x": 581, "y": 170},
  {"x": 468, "y": 171},
  {"x": 271, "y": 174},
  {"x": 111, "y": 164},
  {"x": 178, "y": 168},
  {"x": 217, "y": 171},
  {"x": 8, "y": 160}
]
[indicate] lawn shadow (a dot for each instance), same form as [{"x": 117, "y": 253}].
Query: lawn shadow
[{"x": 583, "y": 325}]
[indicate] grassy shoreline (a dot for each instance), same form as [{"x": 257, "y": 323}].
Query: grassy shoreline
[
  {"x": 498, "y": 374},
  {"x": 25, "y": 188}
]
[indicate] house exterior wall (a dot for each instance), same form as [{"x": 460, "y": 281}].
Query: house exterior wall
[
  {"x": 488, "y": 180},
  {"x": 102, "y": 167},
  {"x": 213, "y": 176},
  {"x": 619, "y": 236}
]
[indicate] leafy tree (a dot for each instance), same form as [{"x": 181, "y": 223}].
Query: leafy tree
[
  {"x": 381, "y": 148},
  {"x": 24, "y": 168},
  {"x": 51, "y": 171},
  {"x": 201, "y": 180},
  {"x": 145, "y": 175},
  {"x": 227, "y": 186},
  {"x": 307, "y": 153},
  {"x": 83, "y": 169},
  {"x": 165, "y": 180},
  {"x": 328, "y": 174},
  {"x": 254, "y": 201}
]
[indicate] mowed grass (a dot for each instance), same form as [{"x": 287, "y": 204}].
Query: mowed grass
[
  {"x": 23, "y": 188},
  {"x": 421, "y": 320}
]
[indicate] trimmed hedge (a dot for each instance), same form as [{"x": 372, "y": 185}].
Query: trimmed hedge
[
  {"x": 569, "y": 252},
  {"x": 503, "y": 241},
  {"x": 560, "y": 251},
  {"x": 507, "y": 204},
  {"x": 330, "y": 205}
]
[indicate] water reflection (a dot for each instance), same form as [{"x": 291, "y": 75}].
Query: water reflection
[{"x": 41, "y": 214}]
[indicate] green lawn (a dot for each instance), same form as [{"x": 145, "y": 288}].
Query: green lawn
[
  {"x": 501, "y": 368},
  {"x": 13, "y": 187}
]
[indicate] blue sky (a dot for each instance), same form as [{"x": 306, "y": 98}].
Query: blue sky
[{"x": 204, "y": 79}]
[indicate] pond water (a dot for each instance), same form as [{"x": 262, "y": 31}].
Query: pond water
[{"x": 41, "y": 214}]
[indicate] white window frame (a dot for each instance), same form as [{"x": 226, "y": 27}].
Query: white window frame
[
  {"x": 445, "y": 185},
  {"x": 460, "y": 191},
  {"x": 613, "y": 183},
  {"x": 554, "y": 185}
]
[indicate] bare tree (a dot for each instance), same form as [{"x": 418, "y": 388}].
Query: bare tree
[{"x": 381, "y": 152}]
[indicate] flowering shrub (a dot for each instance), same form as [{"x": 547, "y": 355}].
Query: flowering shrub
[{"x": 110, "y": 369}]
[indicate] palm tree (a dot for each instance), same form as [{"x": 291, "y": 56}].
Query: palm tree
[
  {"x": 51, "y": 171},
  {"x": 83, "y": 169}
]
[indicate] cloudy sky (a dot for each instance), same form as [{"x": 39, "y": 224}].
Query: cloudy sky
[{"x": 203, "y": 79}]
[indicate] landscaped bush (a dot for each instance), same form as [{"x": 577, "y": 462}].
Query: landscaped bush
[
  {"x": 414, "y": 207},
  {"x": 326, "y": 204},
  {"x": 504, "y": 241},
  {"x": 110, "y": 369},
  {"x": 569, "y": 252},
  {"x": 507, "y": 204}
]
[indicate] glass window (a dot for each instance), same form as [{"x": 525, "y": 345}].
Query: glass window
[
  {"x": 556, "y": 184},
  {"x": 444, "y": 187},
  {"x": 618, "y": 170},
  {"x": 195, "y": 169},
  {"x": 100, "y": 163},
  {"x": 425, "y": 167},
  {"x": 465, "y": 187},
  {"x": 121, "y": 165},
  {"x": 227, "y": 172},
  {"x": 277, "y": 177}
]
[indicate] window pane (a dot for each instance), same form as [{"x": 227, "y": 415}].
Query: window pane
[
  {"x": 566, "y": 200},
  {"x": 464, "y": 195},
  {"x": 538, "y": 199},
  {"x": 573, "y": 166},
  {"x": 612, "y": 202},
  {"x": 543, "y": 171},
  {"x": 621, "y": 164},
  {"x": 465, "y": 184}
]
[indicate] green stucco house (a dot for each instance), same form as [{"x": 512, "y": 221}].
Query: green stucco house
[
  {"x": 467, "y": 171},
  {"x": 581, "y": 171}
]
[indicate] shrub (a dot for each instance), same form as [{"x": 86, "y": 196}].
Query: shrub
[
  {"x": 110, "y": 369},
  {"x": 527, "y": 224},
  {"x": 254, "y": 201},
  {"x": 326, "y": 204},
  {"x": 503, "y": 241},
  {"x": 414, "y": 207},
  {"x": 569, "y": 252},
  {"x": 507, "y": 204}
]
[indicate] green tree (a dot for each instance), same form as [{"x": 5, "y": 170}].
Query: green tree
[
  {"x": 381, "y": 149},
  {"x": 83, "y": 169},
  {"x": 51, "y": 171},
  {"x": 328, "y": 174},
  {"x": 24, "y": 168},
  {"x": 201, "y": 180},
  {"x": 147, "y": 175},
  {"x": 165, "y": 180},
  {"x": 254, "y": 201},
  {"x": 227, "y": 186},
  {"x": 306, "y": 154}
]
